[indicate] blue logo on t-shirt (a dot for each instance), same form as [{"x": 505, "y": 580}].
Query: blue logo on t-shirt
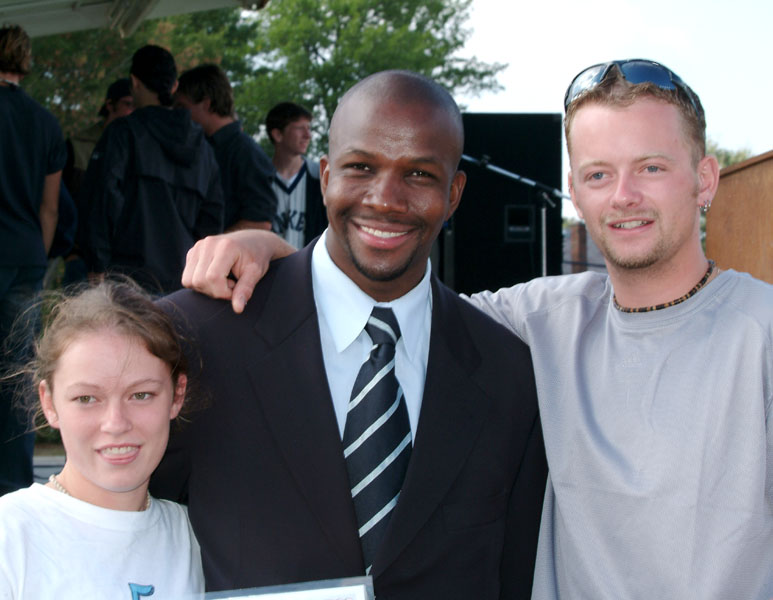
[{"x": 140, "y": 590}]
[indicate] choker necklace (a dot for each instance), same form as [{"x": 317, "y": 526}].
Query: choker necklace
[
  {"x": 60, "y": 488},
  {"x": 679, "y": 300}
]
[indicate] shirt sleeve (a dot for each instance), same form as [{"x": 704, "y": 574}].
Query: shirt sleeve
[
  {"x": 502, "y": 306},
  {"x": 57, "y": 152},
  {"x": 252, "y": 186},
  {"x": 209, "y": 220}
]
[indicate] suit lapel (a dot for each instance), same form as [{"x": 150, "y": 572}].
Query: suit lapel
[
  {"x": 452, "y": 412},
  {"x": 297, "y": 404}
]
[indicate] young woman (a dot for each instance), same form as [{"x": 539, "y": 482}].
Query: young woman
[{"x": 110, "y": 374}]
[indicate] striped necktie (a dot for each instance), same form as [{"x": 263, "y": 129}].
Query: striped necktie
[{"x": 377, "y": 434}]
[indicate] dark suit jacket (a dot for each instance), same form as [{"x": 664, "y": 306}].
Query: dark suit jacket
[{"x": 263, "y": 473}]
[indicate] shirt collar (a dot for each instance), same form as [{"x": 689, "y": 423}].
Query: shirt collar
[
  {"x": 346, "y": 307},
  {"x": 225, "y": 133}
]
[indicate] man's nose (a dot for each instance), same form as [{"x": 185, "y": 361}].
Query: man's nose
[
  {"x": 626, "y": 192},
  {"x": 387, "y": 193}
]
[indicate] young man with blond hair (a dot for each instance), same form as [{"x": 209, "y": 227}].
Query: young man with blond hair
[{"x": 655, "y": 382}]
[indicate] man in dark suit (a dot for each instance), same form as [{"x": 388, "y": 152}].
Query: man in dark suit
[{"x": 267, "y": 470}]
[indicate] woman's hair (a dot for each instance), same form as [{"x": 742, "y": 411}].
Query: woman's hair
[{"x": 121, "y": 307}]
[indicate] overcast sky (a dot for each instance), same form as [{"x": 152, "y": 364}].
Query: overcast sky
[{"x": 723, "y": 50}]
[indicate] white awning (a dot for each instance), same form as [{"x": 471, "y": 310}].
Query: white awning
[{"x": 47, "y": 17}]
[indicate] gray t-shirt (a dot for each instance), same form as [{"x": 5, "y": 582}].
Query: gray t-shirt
[{"x": 659, "y": 435}]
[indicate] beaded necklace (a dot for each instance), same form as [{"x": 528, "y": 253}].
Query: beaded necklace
[
  {"x": 679, "y": 300},
  {"x": 60, "y": 488}
]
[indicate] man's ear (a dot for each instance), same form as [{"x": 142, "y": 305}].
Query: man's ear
[
  {"x": 708, "y": 180},
  {"x": 324, "y": 175},
  {"x": 570, "y": 185},
  {"x": 455, "y": 196}
]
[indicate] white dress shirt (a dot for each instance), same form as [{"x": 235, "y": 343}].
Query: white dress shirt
[{"x": 343, "y": 310}]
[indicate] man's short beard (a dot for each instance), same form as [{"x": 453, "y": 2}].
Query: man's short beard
[
  {"x": 380, "y": 275},
  {"x": 652, "y": 257}
]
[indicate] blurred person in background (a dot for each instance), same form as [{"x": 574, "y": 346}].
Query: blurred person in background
[
  {"x": 300, "y": 216},
  {"x": 153, "y": 185},
  {"x": 32, "y": 155},
  {"x": 246, "y": 172}
]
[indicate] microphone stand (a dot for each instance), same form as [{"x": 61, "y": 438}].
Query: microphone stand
[{"x": 544, "y": 193}]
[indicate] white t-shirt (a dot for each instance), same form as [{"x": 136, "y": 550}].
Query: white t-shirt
[{"x": 55, "y": 546}]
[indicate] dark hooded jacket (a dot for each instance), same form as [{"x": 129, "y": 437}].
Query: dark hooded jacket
[{"x": 151, "y": 190}]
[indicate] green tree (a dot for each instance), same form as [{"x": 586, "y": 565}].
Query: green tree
[
  {"x": 312, "y": 51},
  {"x": 727, "y": 157},
  {"x": 307, "y": 51}
]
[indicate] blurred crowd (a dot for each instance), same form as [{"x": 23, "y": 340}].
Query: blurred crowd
[{"x": 166, "y": 164}]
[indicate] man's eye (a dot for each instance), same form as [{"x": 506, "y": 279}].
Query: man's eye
[
  {"x": 598, "y": 175},
  {"x": 653, "y": 169}
]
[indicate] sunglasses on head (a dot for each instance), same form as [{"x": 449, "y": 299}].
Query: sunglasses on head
[{"x": 635, "y": 70}]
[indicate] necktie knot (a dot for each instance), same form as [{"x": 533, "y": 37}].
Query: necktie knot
[{"x": 382, "y": 326}]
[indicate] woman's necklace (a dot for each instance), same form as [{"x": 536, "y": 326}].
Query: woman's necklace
[
  {"x": 60, "y": 488},
  {"x": 679, "y": 300}
]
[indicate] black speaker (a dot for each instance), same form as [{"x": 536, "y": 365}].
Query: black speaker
[{"x": 495, "y": 238}]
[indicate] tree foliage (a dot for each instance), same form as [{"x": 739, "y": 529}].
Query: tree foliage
[
  {"x": 312, "y": 51},
  {"x": 727, "y": 157},
  {"x": 71, "y": 72},
  {"x": 306, "y": 51}
]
